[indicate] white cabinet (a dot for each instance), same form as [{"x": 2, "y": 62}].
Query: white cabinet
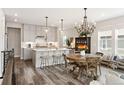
[
  {"x": 38, "y": 53},
  {"x": 29, "y": 33},
  {"x": 29, "y": 36},
  {"x": 27, "y": 53},
  {"x": 38, "y": 31},
  {"x": 51, "y": 34}
]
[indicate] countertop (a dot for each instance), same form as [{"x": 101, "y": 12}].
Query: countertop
[{"x": 49, "y": 49}]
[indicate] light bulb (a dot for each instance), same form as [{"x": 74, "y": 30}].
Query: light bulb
[
  {"x": 46, "y": 30},
  {"x": 15, "y": 14}
]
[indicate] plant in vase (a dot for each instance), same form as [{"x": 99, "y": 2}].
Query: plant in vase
[
  {"x": 69, "y": 41},
  {"x": 83, "y": 48}
]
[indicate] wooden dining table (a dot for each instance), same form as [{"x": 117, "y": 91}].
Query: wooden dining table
[{"x": 80, "y": 60}]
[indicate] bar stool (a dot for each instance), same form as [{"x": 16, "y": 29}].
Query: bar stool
[
  {"x": 44, "y": 60},
  {"x": 57, "y": 57}
]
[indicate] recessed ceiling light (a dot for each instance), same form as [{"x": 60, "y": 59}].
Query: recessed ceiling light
[
  {"x": 15, "y": 14},
  {"x": 15, "y": 20}
]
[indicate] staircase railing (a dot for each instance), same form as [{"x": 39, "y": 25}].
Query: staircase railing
[{"x": 8, "y": 73}]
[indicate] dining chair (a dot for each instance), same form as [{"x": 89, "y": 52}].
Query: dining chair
[
  {"x": 99, "y": 63},
  {"x": 92, "y": 66},
  {"x": 69, "y": 62},
  {"x": 99, "y": 54},
  {"x": 83, "y": 68}
]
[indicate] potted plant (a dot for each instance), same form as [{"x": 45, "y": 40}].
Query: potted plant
[{"x": 69, "y": 41}]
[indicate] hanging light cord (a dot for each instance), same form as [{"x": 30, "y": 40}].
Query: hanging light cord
[
  {"x": 46, "y": 21},
  {"x": 85, "y": 9}
]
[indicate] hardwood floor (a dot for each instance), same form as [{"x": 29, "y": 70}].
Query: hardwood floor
[{"x": 53, "y": 75}]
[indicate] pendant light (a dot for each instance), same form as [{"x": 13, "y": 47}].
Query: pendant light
[
  {"x": 61, "y": 25},
  {"x": 46, "y": 29}
]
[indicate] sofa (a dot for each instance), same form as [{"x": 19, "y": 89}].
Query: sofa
[
  {"x": 115, "y": 62},
  {"x": 120, "y": 64},
  {"x": 109, "y": 61}
]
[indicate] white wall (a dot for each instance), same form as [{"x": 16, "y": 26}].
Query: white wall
[
  {"x": 68, "y": 32},
  {"x": 110, "y": 24},
  {"x": 2, "y": 33}
]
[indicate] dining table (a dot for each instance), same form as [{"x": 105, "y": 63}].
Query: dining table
[{"x": 80, "y": 61}]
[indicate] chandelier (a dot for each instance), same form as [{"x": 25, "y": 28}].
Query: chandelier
[{"x": 85, "y": 28}]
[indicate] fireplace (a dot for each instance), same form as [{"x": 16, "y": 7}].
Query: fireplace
[{"x": 82, "y": 43}]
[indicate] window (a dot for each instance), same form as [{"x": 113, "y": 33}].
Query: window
[
  {"x": 105, "y": 41},
  {"x": 120, "y": 42},
  {"x": 64, "y": 40}
]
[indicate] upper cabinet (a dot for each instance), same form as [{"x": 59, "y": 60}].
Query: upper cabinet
[
  {"x": 29, "y": 33},
  {"x": 51, "y": 34},
  {"x": 39, "y": 31}
]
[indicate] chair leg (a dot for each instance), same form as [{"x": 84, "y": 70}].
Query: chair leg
[
  {"x": 79, "y": 73},
  {"x": 100, "y": 69}
]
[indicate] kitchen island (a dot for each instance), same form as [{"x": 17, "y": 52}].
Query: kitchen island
[{"x": 42, "y": 57}]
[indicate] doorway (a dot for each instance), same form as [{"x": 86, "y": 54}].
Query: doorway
[{"x": 14, "y": 40}]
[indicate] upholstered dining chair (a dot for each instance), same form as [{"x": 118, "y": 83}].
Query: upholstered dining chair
[
  {"x": 99, "y": 53},
  {"x": 70, "y": 62},
  {"x": 99, "y": 63},
  {"x": 92, "y": 66}
]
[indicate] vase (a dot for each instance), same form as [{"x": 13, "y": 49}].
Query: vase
[{"x": 82, "y": 53}]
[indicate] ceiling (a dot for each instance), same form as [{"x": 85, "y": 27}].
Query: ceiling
[{"x": 70, "y": 15}]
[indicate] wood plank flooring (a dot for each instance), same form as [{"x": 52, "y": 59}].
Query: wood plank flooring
[{"x": 53, "y": 75}]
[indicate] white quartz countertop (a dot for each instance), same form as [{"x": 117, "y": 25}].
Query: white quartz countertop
[{"x": 49, "y": 49}]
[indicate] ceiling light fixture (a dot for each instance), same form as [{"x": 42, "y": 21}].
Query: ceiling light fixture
[{"x": 85, "y": 28}]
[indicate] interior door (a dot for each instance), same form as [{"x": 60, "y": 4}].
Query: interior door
[{"x": 14, "y": 40}]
